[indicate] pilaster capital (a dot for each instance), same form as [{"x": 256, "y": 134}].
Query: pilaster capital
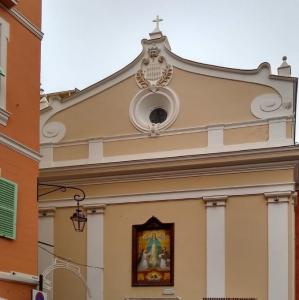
[
  {"x": 92, "y": 209},
  {"x": 215, "y": 201},
  {"x": 280, "y": 197},
  {"x": 46, "y": 212}
]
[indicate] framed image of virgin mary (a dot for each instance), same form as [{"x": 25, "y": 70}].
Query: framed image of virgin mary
[{"x": 153, "y": 253}]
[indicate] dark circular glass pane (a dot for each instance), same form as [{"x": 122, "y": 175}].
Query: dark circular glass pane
[{"x": 158, "y": 115}]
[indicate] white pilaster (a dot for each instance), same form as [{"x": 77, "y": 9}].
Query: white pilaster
[
  {"x": 215, "y": 206},
  {"x": 95, "y": 151},
  {"x": 46, "y": 236},
  {"x": 278, "y": 245},
  {"x": 47, "y": 155},
  {"x": 95, "y": 250},
  {"x": 215, "y": 136},
  {"x": 277, "y": 131}
]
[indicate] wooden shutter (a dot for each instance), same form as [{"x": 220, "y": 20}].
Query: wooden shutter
[{"x": 8, "y": 208}]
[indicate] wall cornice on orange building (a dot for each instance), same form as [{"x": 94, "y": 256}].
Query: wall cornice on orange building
[
  {"x": 24, "y": 20},
  {"x": 9, "y": 3}
]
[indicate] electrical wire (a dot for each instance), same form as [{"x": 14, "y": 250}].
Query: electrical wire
[{"x": 67, "y": 259}]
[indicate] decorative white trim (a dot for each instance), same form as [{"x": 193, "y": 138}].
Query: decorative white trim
[
  {"x": 168, "y": 154},
  {"x": 177, "y": 195},
  {"x": 221, "y": 170},
  {"x": 214, "y": 201},
  {"x": 46, "y": 235},
  {"x": 270, "y": 105},
  {"x": 95, "y": 250},
  {"x": 20, "y": 148},
  {"x": 146, "y": 101},
  {"x": 278, "y": 245},
  {"x": 215, "y": 245},
  {"x": 52, "y": 132},
  {"x": 95, "y": 151},
  {"x": 172, "y": 131},
  {"x": 4, "y": 115},
  {"x": 19, "y": 277},
  {"x": 46, "y": 212},
  {"x": 215, "y": 136},
  {"x": 262, "y": 75},
  {"x": 277, "y": 130},
  {"x": 46, "y": 152},
  {"x": 66, "y": 265}
]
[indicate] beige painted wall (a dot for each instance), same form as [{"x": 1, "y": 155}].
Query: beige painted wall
[
  {"x": 154, "y": 144},
  {"x": 71, "y": 245},
  {"x": 246, "y": 247},
  {"x": 189, "y": 265},
  {"x": 204, "y": 101},
  {"x": 105, "y": 114},
  {"x": 70, "y": 152},
  {"x": 208, "y": 100},
  {"x": 250, "y": 134}
]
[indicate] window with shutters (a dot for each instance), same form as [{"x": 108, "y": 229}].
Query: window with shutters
[{"x": 8, "y": 208}]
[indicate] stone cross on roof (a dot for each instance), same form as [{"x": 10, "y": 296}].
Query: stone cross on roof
[{"x": 157, "y": 21}]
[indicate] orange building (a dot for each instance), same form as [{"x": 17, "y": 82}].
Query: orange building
[{"x": 20, "y": 41}]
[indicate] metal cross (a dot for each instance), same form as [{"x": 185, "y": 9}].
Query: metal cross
[{"x": 157, "y": 21}]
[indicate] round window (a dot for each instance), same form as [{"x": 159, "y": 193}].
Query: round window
[
  {"x": 158, "y": 115},
  {"x": 160, "y": 107}
]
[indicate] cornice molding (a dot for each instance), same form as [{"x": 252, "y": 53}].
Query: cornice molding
[
  {"x": 184, "y": 173},
  {"x": 24, "y": 21},
  {"x": 46, "y": 212},
  {"x": 4, "y": 116},
  {"x": 245, "y": 157},
  {"x": 170, "y": 132},
  {"x": 19, "y": 147},
  {"x": 215, "y": 201},
  {"x": 92, "y": 209},
  {"x": 199, "y": 194}
]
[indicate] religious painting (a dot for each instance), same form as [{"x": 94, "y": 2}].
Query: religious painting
[{"x": 153, "y": 253}]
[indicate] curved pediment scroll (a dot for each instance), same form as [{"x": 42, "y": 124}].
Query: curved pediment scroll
[
  {"x": 269, "y": 106},
  {"x": 52, "y": 132}
]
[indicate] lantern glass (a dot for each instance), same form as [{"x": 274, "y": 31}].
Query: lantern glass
[{"x": 79, "y": 220}]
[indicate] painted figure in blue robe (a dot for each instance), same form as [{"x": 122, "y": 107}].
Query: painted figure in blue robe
[{"x": 153, "y": 248}]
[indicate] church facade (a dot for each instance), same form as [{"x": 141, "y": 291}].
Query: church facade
[{"x": 189, "y": 172}]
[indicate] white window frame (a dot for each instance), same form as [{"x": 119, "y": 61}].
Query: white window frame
[{"x": 4, "y": 37}]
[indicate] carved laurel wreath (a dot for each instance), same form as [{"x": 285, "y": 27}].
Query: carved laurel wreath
[
  {"x": 163, "y": 81},
  {"x": 166, "y": 76}
]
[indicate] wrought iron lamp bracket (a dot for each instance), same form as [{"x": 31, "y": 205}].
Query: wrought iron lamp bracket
[{"x": 78, "y": 218}]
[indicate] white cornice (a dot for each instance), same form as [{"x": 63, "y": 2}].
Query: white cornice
[
  {"x": 174, "y": 154},
  {"x": 279, "y": 154},
  {"x": 174, "y": 195},
  {"x": 170, "y": 132},
  {"x": 24, "y": 21},
  {"x": 4, "y": 115},
  {"x": 185, "y": 173},
  {"x": 20, "y": 148},
  {"x": 19, "y": 277}
]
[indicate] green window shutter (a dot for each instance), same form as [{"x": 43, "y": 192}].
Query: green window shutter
[{"x": 8, "y": 208}]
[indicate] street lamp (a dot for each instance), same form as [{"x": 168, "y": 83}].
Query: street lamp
[{"x": 78, "y": 218}]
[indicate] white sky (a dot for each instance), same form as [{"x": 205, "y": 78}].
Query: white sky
[{"x": 86, "y": 41}]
